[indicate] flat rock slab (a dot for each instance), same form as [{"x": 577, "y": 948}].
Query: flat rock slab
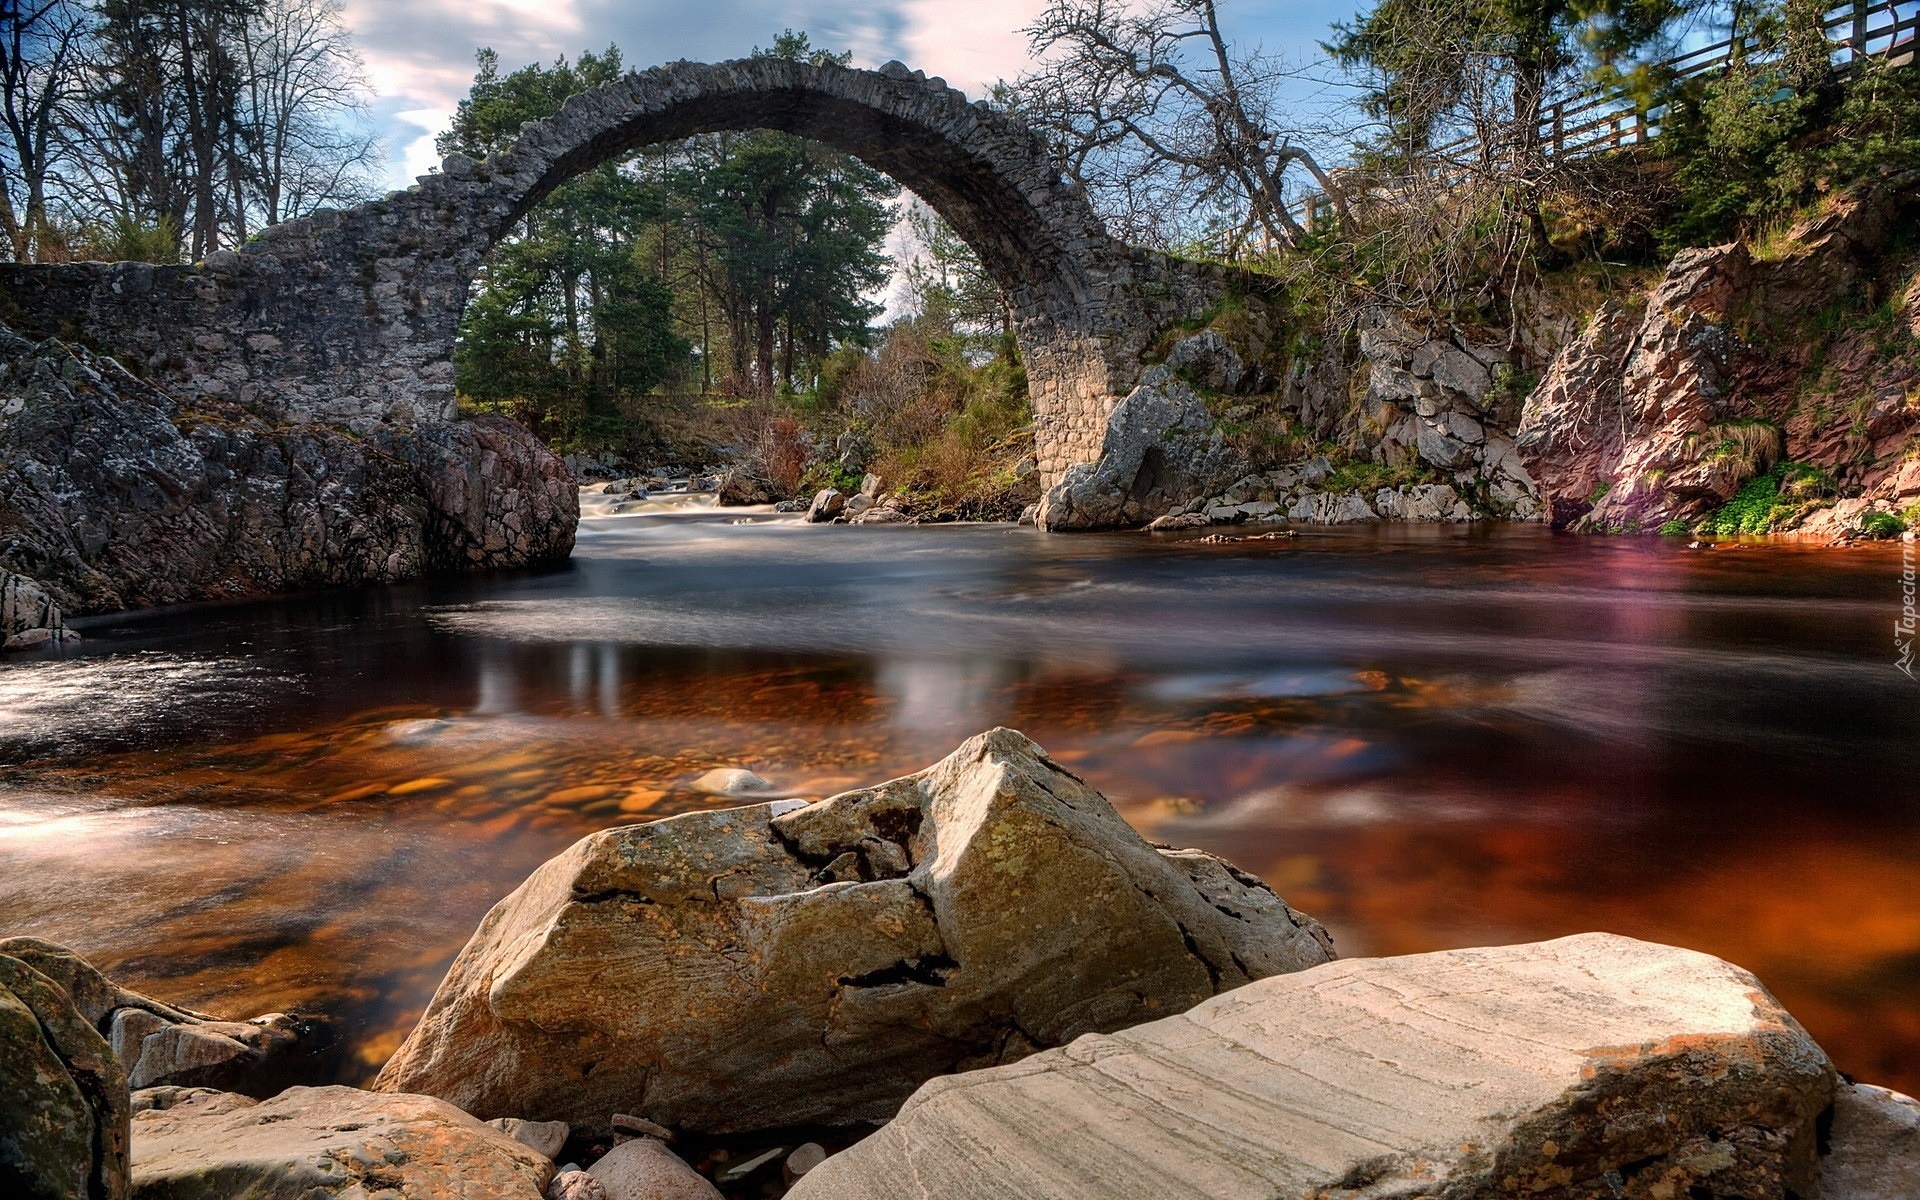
[
  {"x": 787, "y": 964},
  {"x": 1592, "y": 1067},
  {"x": 317, "y": 1143}
]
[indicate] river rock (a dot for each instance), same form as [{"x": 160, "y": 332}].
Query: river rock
[
  {"x": 63, "y": 1097},
  {"x": 805, "y": 1157},
  {"x": 315, "y": 1143},
  {"x": 544, "y": 1137},
  {"x": 1873, "y": 1148},
  {"x": 28, "y": 616},
  {"x": 730, "y": 781},
  {"x": 828, "y": 503},
  {"x": 1160, "y": 450},
  {"x": 1588, "y": 1067},
  {"x": 114, "y": 496},
  {"x": 575, "y": 1185},
  {"x": 159, "y": 1044},
  {"x": 644, "y": 1169},
  {"x": 776, "y": 966},
  {"x": 1332, "y": 508}
]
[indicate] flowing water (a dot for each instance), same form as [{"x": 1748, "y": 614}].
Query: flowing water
[{"x": 1425, "y": 736}]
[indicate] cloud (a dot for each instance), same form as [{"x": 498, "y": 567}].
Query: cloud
[{"x": 419, "y": 53}]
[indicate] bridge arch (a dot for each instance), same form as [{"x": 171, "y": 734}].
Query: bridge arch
[{"x": 351, "y": 315}]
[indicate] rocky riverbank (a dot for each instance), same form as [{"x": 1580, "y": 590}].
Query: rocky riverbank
[
  {"x": 976, "y": 980},
  {"x": 114, "y": 495},
  {"x": 1743, "y": 389}
]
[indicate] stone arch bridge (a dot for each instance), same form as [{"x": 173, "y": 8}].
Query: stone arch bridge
[{"x": 350, "y": 316}]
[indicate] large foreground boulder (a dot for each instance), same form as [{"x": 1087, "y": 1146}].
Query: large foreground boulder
[
  {"x": 114, "y": 495},
  {"x": 788, "y": 964},
  {"x": 318, "y": 1143},
  {"x": 158, "y": 1044},
  {"x": 1589, "y": 1068},
  {"x": 63, "y": 1098}
]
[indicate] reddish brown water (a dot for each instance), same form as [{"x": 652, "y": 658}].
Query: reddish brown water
[{"x": 1426, "y": 737}]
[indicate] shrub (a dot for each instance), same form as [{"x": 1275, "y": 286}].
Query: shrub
[
  {"x": 1751, "y": 510},
  {"x": 1881, "y": 525},
  {"x": 1753, "y": 445}
]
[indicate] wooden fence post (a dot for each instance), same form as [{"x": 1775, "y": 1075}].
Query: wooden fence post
[{"x": 1857, "y": 41}]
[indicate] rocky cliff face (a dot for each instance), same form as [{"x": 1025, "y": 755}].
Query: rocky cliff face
[
  {"x": 1667, "y": 405},
  {"x": 1793, "y": 367},
  {"x": 1230, "y": 428},
  {"x": 114, "y": 495}
]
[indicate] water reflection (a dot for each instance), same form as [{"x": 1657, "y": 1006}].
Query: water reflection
[{"x": 1427, "y": 738}]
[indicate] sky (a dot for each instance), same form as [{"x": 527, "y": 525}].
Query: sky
[{"x": 419, "y": 53}]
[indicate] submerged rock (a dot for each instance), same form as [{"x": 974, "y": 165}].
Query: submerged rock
[
  {"x": 1589, "y": 1067},
  {"x": 161, "y": 1045},
  {"x": 316, "y": 1143},
  {"x": 63, "y": 1097},
  {"x": 776, "y": 966}
]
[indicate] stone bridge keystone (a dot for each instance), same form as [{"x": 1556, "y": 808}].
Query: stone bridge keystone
[{"x": 350, "y": 317}]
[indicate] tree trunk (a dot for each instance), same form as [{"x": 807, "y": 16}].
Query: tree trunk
[{"x": 763, "y": 349}]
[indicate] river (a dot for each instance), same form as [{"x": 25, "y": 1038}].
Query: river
[{"x": 1427, "y": 737}]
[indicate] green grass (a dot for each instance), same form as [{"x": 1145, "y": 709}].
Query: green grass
[
  {"x": 1881, "y": 525},
  {"x": 1768, "y": 502},
  {"x": 1752, "y": 510},
  {"x": 1675, "y": 529}
]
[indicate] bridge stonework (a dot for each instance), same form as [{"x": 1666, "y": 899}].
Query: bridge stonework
[{"x": 349, "y": 317}]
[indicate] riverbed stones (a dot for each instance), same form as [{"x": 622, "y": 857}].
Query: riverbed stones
[
  {"x": 323, "y": 1142},
  {"x": 779, "y": 965},
  {"x": 1873, "y": 1147},
  {"x": 63, "y": 1097},
  {"x": 159, "y": 1044},
  {"x": 575, "y": 1184},
  {"x": 731, "y": 781},
  {"x": 1588, "y": 1067},
  {"x": 828, "y": 503},
  {"x": 644, "y": 1169},
  {"x": 544, "y": 1137}
]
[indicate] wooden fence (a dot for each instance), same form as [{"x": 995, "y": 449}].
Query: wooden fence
[{"x": 1609, "y": 118}]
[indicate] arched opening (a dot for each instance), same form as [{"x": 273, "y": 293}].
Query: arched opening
[{"x": 988, "y": 178}]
